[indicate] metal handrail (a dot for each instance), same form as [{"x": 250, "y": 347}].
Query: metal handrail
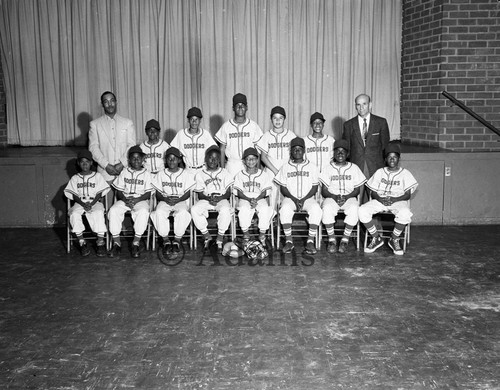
[{"x": 471, "y": 112}]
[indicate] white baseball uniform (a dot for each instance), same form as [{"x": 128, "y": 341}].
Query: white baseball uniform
[
  {"x": 299, "y": 178},
  {"x": 388, "y": 183},
  {"x": 237, "y": 137},
  {"x": 172, "y": 184},
  {"x": 212, "y": 182},
  {"x": 252, "y": 185},
  {"x": 193, "y": 147},
  {"x": 319, "y": 150},
  {"x": 87, "y": 187},
  {"x": 154, "y": 159},
  {"x": 277, "y": 148},
  {"x": 133, "y": 184},
  {"x": 341, "y": 180}
]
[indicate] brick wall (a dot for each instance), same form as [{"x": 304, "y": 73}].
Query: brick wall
[
  {"x": 453, "y": 46},
  {"x": 3, "y": 113}
]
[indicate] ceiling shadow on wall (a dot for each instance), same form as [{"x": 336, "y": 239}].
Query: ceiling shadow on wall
[
  {"x": 215, "y": 122},
  {"x": 168, "y": 135},
  {"x": 337, "y": 124},
  {"x": 83, "y": 123}
]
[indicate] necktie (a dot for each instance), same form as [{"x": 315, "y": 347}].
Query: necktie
[{"x": 365, "y": 129}]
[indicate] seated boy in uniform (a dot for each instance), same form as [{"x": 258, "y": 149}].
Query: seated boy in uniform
[
  {"x": 390, "y": 188},
  {"x": 298, "y": 181},
  {"x": 173, "y": 189},
  {"x": 341, "y": 182},
  {"x": 133, "y": 192},
  {"x": 213, "y": 186},
  {"x": 252, "y": 187},
  {"x": 86, "y": 189}
]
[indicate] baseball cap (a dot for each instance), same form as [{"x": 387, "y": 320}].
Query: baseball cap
[
  {"x": 341, "y": 143},
  {"x": 297, "y": 141},
  {"x": 278, "y": 110},
  {"x": 152, "y": 123},
  {"x": 392, "y": 148},
  {"x": 194, "y": 111},
  {"x": 135, "y": 149},
  {"x": 213, "y": 148},
  {"x": 239, "y": 98},
  {"x": 173, "y": 150},
  {"x": 84, "y": 154},
  {"x": 315, "y": 116},
  {"x": 250, "y": 152}
]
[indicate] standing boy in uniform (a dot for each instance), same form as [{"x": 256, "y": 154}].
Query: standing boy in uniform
[
  {"x": 319, "y": 146},
  {"x": 252, "y": 186},
  {"x": 154, "y": 148},
  {"x": 340, "y": 185},
  {"x": 236, "y": 135},
  {"x": 193, "y": 141},
  {"x": 274, "y": 146},
  {"x": 298, "y": 181},
  {"x": 86, "y": 189},
  {"x": 213, "y": 186},
  {"x": 133, "y": 192},
  {"x": 173, "y": 189},
  {"x": 391, "y": 188}
]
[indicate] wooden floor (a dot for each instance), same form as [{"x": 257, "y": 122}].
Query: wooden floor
[{"x": 427, "y": 320}]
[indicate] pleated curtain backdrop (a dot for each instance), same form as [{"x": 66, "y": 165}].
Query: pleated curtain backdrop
[{"x": 162, "y": 57}]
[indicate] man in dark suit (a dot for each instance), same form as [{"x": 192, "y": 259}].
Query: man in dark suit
[{"x": 368, "y": 136}]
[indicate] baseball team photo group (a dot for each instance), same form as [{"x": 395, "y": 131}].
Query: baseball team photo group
[{"x": 249, "y": 194}]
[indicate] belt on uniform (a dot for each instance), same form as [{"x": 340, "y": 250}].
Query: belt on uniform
[{"x": 198, "y": 167}]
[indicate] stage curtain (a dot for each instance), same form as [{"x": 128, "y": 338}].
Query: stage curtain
[{"x": 162, "y": 57}]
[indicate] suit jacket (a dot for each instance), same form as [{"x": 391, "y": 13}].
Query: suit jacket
[
  {"x": 376, "y": 141},
  {"x": 110, "y": 146}
]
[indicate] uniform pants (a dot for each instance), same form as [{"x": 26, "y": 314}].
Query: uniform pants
[
  {"x": 199, "y": 213},
  {"x": 401, "y": 211},
  {"x": 234, "y": 166},
  {"x": 161, "y": 221},
  {"x": 311, "y": 206},
  {"x": 246, "y": 213},
  {"x": 95, "y": 218},
  {"x": 331, "y": 209},
  {"x": 140, "y": 216}
]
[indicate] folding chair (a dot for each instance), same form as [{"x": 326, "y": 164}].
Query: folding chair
[
  {"x": 301, "y": 229},
  {"x": 128, "y": 226},
  {"x": 212, "y": 214},
  {"x": 87, "y": 234},
  {"x": 387, "y": 223},
  {"x": 171, "y": 217},
  {"x": 339, "y": 228}
]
